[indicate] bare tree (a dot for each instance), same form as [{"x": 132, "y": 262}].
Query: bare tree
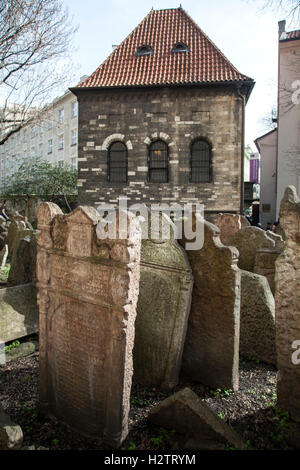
[
  {"x": 35, "y": 44},
  {"x": 290, "y": 7}
]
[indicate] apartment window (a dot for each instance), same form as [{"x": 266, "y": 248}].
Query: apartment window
[
  {"x": 117, "y": 163},
  {"x": 50, "y": 124},
  {"x": 33, "y": 152},
  {"x": 74, "y": 163},
  {"x": 74, "y": 135},
  {"x": 61, "y": 116},
  {"x": 42, "y": 127},
  {"x": 24, "y": 155},
  {"x": 158, "y": 162},
  {"x": 60, "y": 163},
  {"x": 60, "y": 142},
  {"x": 41, "y": 150},
  {"x": 50, "y": 146},
  {"x": 200, "y": 163},
  {"x": 33, "y": 132},
  {"x": 74, "y": 109}
]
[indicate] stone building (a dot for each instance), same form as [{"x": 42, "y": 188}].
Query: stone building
[{"x": 162, "y": 120}]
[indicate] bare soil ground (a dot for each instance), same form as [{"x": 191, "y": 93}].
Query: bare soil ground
[{"x": 251, "y": 411}]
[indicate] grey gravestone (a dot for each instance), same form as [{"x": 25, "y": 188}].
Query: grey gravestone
[
  {"x": 18, "y": 312},
  {"x": 257, "y": 331},
  {"x": 248, "y": 240},
  {"x": 162, "y": 312},
  {"x": 211, "y": 351}
]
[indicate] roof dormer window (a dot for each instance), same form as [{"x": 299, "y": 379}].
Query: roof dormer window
[
  {"x": 180, "y": 47},
  {"x": 144, "y": 50}
]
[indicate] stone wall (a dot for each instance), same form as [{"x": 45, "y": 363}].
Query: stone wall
[{"x": 176, "y": 115}]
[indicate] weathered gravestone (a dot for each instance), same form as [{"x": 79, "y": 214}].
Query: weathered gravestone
[
  {"x": 87, "y": 296},
  {"x": 265, "y": 265},
  {"x": 228, "y": 224},
  {"x": 163, "y": 308},
  {"x": 23, "y": 261},
  {"x": 18, "y": 312},
  {"x": 287, "y": 301},
  {"x": 248, "y": 240},
  {"x": 257, "y": 327},
  {"x": 211, "y": 351},
  {"x": 3, "y": 256},
  {"x": 15, "y": 227}
]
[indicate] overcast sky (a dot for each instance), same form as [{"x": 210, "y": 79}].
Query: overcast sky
[{"x": 245, "y": 33}]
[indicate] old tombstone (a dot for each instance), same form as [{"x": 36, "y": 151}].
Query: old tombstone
[
  {"x": 162, "y": 312},
  {"x": 265, "y": 265},
  {"x": 257, "y": 327},
  {"x": 279, "y": 242},
  {"x": 18, "y": 312},
  {"x": 248, "y": 240},
  {"x": 15, "y": 228},
  {"x": 87, "y": 296},
  {"x": 287, "y": 301},
  {"x": 190, "y": 416},
  {"x": 23, "y": 261},
  {"x": 211, "y": 351},
  {"x": 228, "y": 224}
]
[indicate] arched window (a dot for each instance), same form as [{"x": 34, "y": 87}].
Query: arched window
[
  {"x": 117, "y": 163},
  {"x": 158, "y": 162},
  {"x": 200, "y": 162}
]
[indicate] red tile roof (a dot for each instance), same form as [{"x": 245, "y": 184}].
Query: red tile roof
[
  {"x": 290, "y": 36},
  {"x": 161, "y": 29}
]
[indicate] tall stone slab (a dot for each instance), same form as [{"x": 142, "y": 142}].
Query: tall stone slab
[
  {"x": 211, "y": 352},
  {"x": 87, "y": 296},
  {"x": 287, "y": 302},
  {"x": 228, "y": 224},
  {"x": 257, "y": 326},
  {"x": 23, "y": 261},
  {"x": 163, "y": 308},
  {"x": 248, "y": 240}
]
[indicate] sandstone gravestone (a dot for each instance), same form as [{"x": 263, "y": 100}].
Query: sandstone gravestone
[
  {"x": 257, "y": 327},
  {"x": 87, "y": 296},
  {"x": 228, "y": 224},
  {"x": 248, "y": 240},
  {"x": 265, "y": 265},
  {"x": 162, "y": 313},
  {"x": 18, "y": 312},
  {"x": 23, "y": 261},
  {"x": 211, "y": 351},
  {"x": 287, "y": 301}
]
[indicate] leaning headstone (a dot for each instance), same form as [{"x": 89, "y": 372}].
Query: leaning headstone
[
  {"x": 228, "y": 224},
  {"x": 87, "y": 296},
  {"x": 287, "y": 301},
  {"x": 18, "y": 312},
  {"x": 15, "y": 227},
  {"x": 187, "y": 414},
  {"x": 211, "y": 351},
  {"x": 257, "y": 328},
  {"x": 162, "y": 312},
  {"x": 23, "y": 261},
  {"x": 248, "y": 240}
]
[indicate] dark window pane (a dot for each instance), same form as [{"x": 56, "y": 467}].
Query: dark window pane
[
  {"x": 200, "y": 162},
  {"x": 117, "y": 163},
  {"x": 158, "y": 162}
]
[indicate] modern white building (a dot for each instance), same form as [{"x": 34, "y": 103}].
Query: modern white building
[{"x": 52, "y": 136}]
